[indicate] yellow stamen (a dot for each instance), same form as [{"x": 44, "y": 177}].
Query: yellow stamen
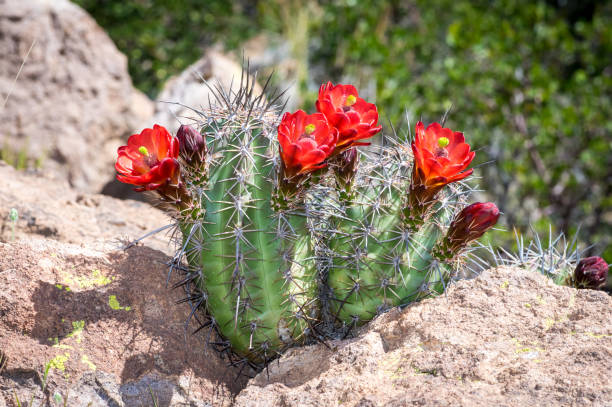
[
  {"x": 350, "y": 100},
  {"x": 143, "y": 150},
  {"x": 443, "y": 142},
  {"x": 309, "y": 129}
]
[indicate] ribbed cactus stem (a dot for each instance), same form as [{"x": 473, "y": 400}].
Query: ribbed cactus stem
[
  {"x": 252, "y": 256},
  {"x": 381, "y": 261}
]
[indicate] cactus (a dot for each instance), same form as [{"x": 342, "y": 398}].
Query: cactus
[{"x": 289, "y": 232}]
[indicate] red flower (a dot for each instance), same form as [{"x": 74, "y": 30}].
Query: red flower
[
  {"x": 591, "y": 272},
  {"x": 469, "y": 224},
  {"x": 354, "y": 118},
  {"x": 440, "y": 156},
  {"x": 149, "y": 159},
  {"x": 473, "y": 221},
  {"x": 305, "y": 142}
]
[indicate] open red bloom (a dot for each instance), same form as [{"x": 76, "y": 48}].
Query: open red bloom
[
  {"x": 354, "y": 118},
  {"x": 306, "y": 140},
  {"x": 440, "y": 156},
  {"x": 149, "y": 159}
]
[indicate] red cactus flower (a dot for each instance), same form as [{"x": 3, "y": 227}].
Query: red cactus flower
[
  {"x": 469, "y": 224},
  {"x": 591, "y": 272},
  {"x": 354, "y": 118},
  {"x": 473, "y": 221},
  {"x": 440, "y": 156},
  {"x": 305, "y": 141},
  {"x": 149, "y": 159}
]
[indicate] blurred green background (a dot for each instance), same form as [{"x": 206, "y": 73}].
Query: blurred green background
[{"x": 530, "y": 82}]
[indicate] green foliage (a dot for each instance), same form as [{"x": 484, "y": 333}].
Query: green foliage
[{"x": 163, "y": 37}]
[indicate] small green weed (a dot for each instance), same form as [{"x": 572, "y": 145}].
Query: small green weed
[{"x": 21, "y": 158}]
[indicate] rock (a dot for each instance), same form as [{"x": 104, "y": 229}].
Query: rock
[
  {"x": 73, "y": 103},
  {"x": 509, "y": 338},
  {"x": 189, "y": 89},
  {"x": 106, "y": 325},
  {"x": 50, "y": 208},
  {"x": 102, "y": 320}
]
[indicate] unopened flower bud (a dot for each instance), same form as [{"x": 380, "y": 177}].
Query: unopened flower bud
[
  {"x": 591, "y": 272},
  {"x": 192, "y": 144},
  {"x": 470, "y": 224},
  {"x": 348, "y": 162}
]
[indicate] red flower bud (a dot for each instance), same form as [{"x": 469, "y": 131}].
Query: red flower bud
[
  {"x": 192, "y": 144},
  {"x": 149, "y": 159},
  {"x": 347, "y": 163},
  {"x": 306, "y": 141},
  {"x": 470, "y": 224},
  {"x": 354, "y": 118},
  {"x": 591, "y": 272}
]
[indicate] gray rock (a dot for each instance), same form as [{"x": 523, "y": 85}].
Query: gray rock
[
  {"x": 95, "y": 389},
  {"x": 73, "y": 102}
]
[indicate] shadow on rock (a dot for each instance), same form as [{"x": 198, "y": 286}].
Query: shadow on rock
[{"x": 118, "y": 315}]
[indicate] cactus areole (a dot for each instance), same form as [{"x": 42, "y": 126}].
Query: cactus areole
[{"x": 291, "y": 230}]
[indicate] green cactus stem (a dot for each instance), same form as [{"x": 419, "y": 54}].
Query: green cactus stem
[
  {"x": 378, "y": 261},
  {"x": 251, "y": 260}
]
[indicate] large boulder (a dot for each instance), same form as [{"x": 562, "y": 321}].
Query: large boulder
[
  {"x": 73, "y": 102},
  {"x": 507, "y": 338}
]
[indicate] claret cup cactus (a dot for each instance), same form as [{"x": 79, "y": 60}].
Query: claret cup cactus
[{"x": 292, "y": 229}]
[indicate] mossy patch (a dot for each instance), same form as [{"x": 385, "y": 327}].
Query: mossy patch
[
  {"x": 77, "y": 330},
  {"x": 94, "y": 280},
  {"x": 59, "y": 361},
  {"x": 114, "y": 304}
]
